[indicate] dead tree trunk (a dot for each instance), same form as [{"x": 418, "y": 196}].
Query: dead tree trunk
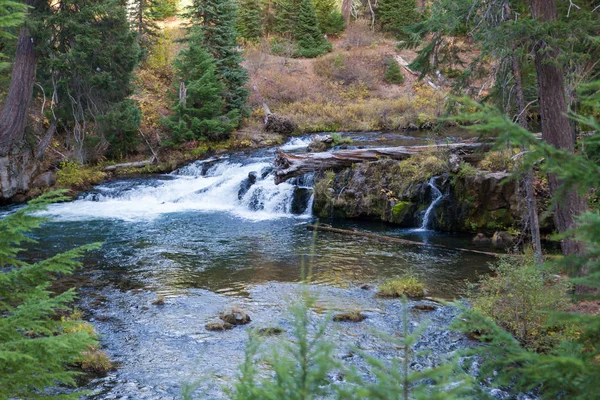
[
  {"x": 291, "y": 165},
  {"x": 530, "y": 200},
  {"x": 556, "y": 129},
  {"x": 13, "y": 116}
]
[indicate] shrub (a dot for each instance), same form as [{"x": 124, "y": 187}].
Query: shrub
[
  {"x": 393, "y": 73},
  {"x": 95, "y": 361},
  {"x": 406, "y": 286},
  {"x": 339, "y": 139},
  {"x": 498, "y": 160},
  {"x": 519, "y": 297},
  {"x": 73, "y": 175},
  {"x": 120, "y": 128}
]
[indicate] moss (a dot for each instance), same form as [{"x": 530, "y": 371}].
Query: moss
[
  {"x": 74, "y": 175},
  {"x": 400, "y": 206},
  {"x": 406, "y": 286},
  {"x": 349, "y": 316}
]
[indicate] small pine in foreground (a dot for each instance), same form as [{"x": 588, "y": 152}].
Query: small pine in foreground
[{"x": 393, "y": 73}]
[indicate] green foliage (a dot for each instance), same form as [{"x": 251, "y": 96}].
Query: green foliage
[
  {"x": 87, "y": 53},
  {"x": 249, "y": 20},
  {"x": 339, "y": 140},
  {"x": 11, "y": 16},
  {"x": 300, "y": 366},
  {"x": 395, "y": 15},
  {"x": 309, "y": 38},
  {"x": 286, "y": 17},
  {"x": 331, "y": 21},
  {"x": 120, "y": 128},
  {"x": 35, "y": 349},
  {"x": 213, "y": 21},
  {"x": 200, "y": 111},
  {"x": 519, "y": 297},
  {"x": 72, "y": 175},
  {"x": 406, "y": 286},
  {"x": 163, "y": 9},
  {"x": 393, "y": 73}
]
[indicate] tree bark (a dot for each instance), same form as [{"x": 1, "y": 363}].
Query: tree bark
[
  {"x": 530, "y": 200},
  {"x": 556, "y": 129},
  {"x": 13, "y": 116},
  {"x": 291, "y": 165}
]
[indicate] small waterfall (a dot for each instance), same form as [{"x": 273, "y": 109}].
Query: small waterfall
[{"x": 436, "y": 198}]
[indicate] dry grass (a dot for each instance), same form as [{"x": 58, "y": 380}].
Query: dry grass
[{"x": 407, "y": 286}]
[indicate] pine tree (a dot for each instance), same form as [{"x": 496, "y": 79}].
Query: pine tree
[
  {"x": 286, "y": 17},
  {"x": 200, "y": 111},
  {"x": 393, "y": 73},
  {"x": 249, "y": 20},
  {"x": 331, "y": 20},
  {"x": 35, "y": 350},
  {"x": 395, "y": 15},
  {"x": 309, "y": 38},
  {"x": 217, "y": 20},
  {"x": 12, "y": 14},
  {"x": 143, "y": 22}
]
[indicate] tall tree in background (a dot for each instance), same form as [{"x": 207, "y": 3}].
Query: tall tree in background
[
  {"x": 331, "y": 21},
  {"x": 556, "y": 128},
  {"x": 286, "y": 16},
  {"x": 249, "y": 20},
  {"x": 200, "y": 109},
  {"x": 217, "y": 21},
  {"x": 143, "y": 20},
  {"x": 16, "y": 105},
  {"x": 310, "y": 39},
  {"x": 395, "y": 15}
]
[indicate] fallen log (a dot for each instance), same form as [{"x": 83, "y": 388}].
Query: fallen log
[
  {"x": 290, "y": 165},
  {"x": 136, "y": 164},
  {"x": 327, "y": 228}
]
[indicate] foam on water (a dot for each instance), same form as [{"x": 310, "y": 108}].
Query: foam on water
[
  {"x": 296, "y": 143},
  {"x": 196, "y": 187}
]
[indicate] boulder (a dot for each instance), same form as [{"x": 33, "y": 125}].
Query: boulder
[
  {"x": 44, "y": 180},
  {"x": 502, "y": 239},
  {"x": 247, "y": 184},
  {"x": 480, "y": 238},
  {"x": 301, "y": 200},
  {"x": 235, "y": 316},
  {"x": 218, "y": 326}
]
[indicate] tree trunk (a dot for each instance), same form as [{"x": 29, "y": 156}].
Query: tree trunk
[
  {"x": 13, "y": 116},
  {"x": 556, "y": 129},
  {"x": 291, "y": 165},
  {"x": 530, "y": 200},
  {"x": 346, "y": 10}
]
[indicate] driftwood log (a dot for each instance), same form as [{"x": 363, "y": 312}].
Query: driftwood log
[
  {"x": 327, "y": 228},
  {"x": 291, "y": 165},
  {"x": 136, "y": 164}
]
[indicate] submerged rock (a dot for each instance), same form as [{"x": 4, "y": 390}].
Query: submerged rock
[
  {"x": 301, "y": 200},
  {"x": 270, "y": 331},
  {"x": 236, "y": 316},
  {"x": 349, "y": 316},
  {"x": 247, "y": 184},
  {"x": 218, "y": 326},
  {"x": 502, "y": 239},
  {"x": 481, "y": 238}
]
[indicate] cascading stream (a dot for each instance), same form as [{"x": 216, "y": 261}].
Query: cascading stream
[{"x": 437, "y": 197}]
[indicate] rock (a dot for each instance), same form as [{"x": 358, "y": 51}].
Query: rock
[
  {"x": 300, "y": 200},
  {"x": 502, "y": 239},
  {"x": 236, "y": 316},
  {"x": 319, "y": 144},
  {"x": 270, "y": 331},
  {"x": 265, "y": 172},
  {"x": 16, "y": 173},
  {"x": 278, "y": 124},
  {"x": 44, "y": 180},
  {"x": 349, "y": 316},
  {"x": 218, "y": 326},
  {"x": 412, "y": 127},
  {"x": 160, "y": 300},
  {"x": 247, "y": 184},
  {"x": 481, "y": 238},
  {"x": 454, "y": 163},
  {"x": 424, "y": 307},
  {"x": 366, "y": 286}
]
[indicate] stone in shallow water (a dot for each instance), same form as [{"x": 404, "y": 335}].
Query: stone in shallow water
[
  {"x": 349, "y": 316},
  {"x": 236, "y": 316},
  {"x": 218, "y": 326}
]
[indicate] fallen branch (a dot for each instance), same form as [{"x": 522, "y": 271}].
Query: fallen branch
[
  {"x": 327, "y": 228},
  {"x": 291, "y": 165},
  {"x": 136, "y": 164}
]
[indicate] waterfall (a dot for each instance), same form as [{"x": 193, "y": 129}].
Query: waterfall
[
  {"x": 436, "y": 198},
  {"x": 244, "y": 187}
]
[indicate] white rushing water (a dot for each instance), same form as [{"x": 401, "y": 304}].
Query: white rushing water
[
  {"x": 200, "y": 186},
  {"x": 296, "y": 143},
  {"x": 437, "y": 197}
]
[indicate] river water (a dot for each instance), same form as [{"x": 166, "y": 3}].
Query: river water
[{"x": 218, "y": 233}]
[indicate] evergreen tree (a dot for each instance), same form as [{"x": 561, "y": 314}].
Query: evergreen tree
[
  {"x": 309, "y": 38},
  {"x": 249, "y": 20},
  {"x": 393, "y": 73},
  {"x": 143, "y": 21},
  {"x": 11, "y": 16},
  {"x": 286, "y": 17},
  {"x": 395, "y": 15},
  {"x": 217, "y": 20},
  {"x": 200, "y": 111},
  {"x": 331, "y": 20},
  {"x": 35, "y": 350}
]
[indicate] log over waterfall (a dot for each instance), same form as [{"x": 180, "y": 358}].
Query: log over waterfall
[{"x": 291, "y": 165}]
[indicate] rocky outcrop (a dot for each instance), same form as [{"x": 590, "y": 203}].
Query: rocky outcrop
[
  {"x": 476, "y": 202},
  {"x": 17, "y": 172}
]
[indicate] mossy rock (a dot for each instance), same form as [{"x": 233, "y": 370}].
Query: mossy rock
[
  {"x": 349, "y": 316},
  {"x": 235, "y": 316},
  {"x": 271, "y": 331},
  {"x": 218, "y": 326},
  {"x": 407, "y": 286}
]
